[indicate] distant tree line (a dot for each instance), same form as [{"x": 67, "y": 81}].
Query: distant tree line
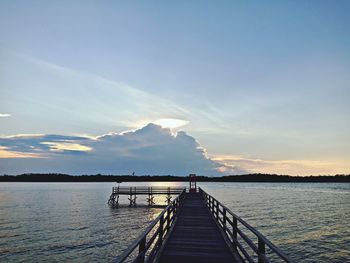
[{"x": 258, "y": 177}]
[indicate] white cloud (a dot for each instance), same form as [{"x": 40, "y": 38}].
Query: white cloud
[
  {"x": 66, "y": 146},
  {"x": 4, "y": 115},
  {"x": 171, "y": 123},
  {"x": 149, "y": 150}
]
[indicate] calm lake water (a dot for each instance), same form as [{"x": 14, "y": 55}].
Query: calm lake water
[{"x": 51, "y": 222}]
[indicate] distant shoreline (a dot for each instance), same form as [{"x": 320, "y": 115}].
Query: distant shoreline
[{"x": 254, "y": 178}]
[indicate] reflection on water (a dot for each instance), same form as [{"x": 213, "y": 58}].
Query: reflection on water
[{"x": 72, "y": 221}]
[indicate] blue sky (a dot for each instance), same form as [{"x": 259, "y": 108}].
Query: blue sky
[{"x": 262, "y": 86}]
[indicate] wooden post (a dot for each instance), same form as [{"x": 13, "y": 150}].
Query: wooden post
[
  {"x": 117, "y": 195},
  {"x": 142, "y": 250},
  {"x": 117, "y": 203},
  {"x": 150, "y": 198},
  {"x": 234, "y": 232},
  {"x": 135, "y": 196},
  {"x": 175, "y": 206},
  {"x": 217, "y": 210},
  {"x": 193, "y": 183},
  {"x": 168, "y": 197},
  {"x": 224, "y": 218},
  {"x": 168, "y": 219},
  {"x": 261, "y": 249},
  {"x": 132, "y": 199},
  {"x": 161, "y": 225},
  {"x": 212, "y": 205}
]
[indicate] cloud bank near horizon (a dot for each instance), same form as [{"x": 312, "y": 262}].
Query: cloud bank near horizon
[
  {"x": 149, "y": 150},
  {"x": 153, "y": 150}
]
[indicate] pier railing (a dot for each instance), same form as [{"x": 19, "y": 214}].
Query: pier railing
[
  {"x": 150, "y": 191},
  {"x": 127, "y": 190},
  {"x": 248, "y": 249},
  {"x": 147, "y": 245}
]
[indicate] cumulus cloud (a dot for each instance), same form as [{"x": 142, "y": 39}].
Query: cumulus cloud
[
  {"x": 149, "y": 150},
  {"x": 152, "y": 149}
]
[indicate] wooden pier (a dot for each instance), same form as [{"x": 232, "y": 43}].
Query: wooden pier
[
  {"x": 150, "y": 192},
  {"x": 195, "y": 227}
]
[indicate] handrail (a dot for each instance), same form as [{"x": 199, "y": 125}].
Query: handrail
[
  {"x": 149, "y": 242},
  {"x": 150, "y": 189},
  {"x": 220, "y": 211}
]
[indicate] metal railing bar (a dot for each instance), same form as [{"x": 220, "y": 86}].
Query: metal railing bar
[
  {"x": 153, "y": 237},
  {"x": 212, "y": 203},
  {"x": 154, "y": 249},
  {"x": 263, "y": 258},
  {"x": 160, "y": 218},
  {"x": 229, "y": 221},
  {"x": 230, "y": 232},
  {"x": 248, "y": 241},
  {"x": 259, "y": 235},
  {"x": 245, "y": 253}
]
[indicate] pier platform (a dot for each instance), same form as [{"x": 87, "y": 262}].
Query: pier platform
[{"x": 150, "y": 192}]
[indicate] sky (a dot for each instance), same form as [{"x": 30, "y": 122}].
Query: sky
[{"x": 160, "y": 87}]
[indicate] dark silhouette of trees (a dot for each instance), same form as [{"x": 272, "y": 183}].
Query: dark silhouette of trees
[{"x": 56, "y": 177}]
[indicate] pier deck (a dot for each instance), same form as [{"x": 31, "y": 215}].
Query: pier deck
[
  {"x": 196, "y": 237},
  {"x": 195, "y": 227}
]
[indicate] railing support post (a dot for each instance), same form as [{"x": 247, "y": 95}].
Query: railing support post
[
  {"x": 171, "y": 210},
  {"x": 142, "y": 252},
  {"x": 234, "y": 233},
  {"x": 261, "y": 250},
  {"x": 224, "y": 219},
  {"x": 161, "y": 229}
]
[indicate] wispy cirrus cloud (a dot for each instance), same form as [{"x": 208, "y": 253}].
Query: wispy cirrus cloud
[
  {"x": 87, "y": 101},
  {"x": 90, "y": 100},
  {"x": 290, "y": 167},
  {"x": 40, "y": 143},
  {"x": 5, "y": 153}
]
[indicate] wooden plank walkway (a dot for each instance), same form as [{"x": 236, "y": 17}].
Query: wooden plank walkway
[
  {"x": 196, "y": 236},
  {"x": 194, "y": 228}
]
